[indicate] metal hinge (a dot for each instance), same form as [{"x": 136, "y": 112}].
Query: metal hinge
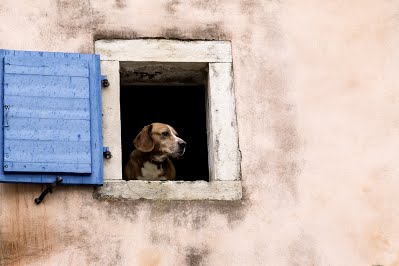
[
  {"x": 104, "y": 81},
  {"x": 106, "y": 153}
]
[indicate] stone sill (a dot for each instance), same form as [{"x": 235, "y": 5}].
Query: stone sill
[{"x": 169, "y": 190}]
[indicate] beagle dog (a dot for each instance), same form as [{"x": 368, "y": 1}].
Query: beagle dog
[{"x": 150, "y": 160}]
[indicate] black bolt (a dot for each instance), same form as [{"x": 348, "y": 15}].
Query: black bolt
[
  {"x": 105, "y": 82},
  {"x": 107, "y": 154}
]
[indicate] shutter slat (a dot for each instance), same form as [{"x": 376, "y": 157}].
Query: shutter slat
[
  {"x": 79, "y": 104},
  {"x": 48, "y": 129},
  {"x": 39, "y": 66},
  {"x": 48, "y": 167},
  {"x": 73, "y": 109},
  {"x": 39, "y": 151},
  {"x": 48, "y": 114},
  {"x": 46, "y": 86}
]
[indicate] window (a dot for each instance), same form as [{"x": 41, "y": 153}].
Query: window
[{"x": 200, "y": 69}]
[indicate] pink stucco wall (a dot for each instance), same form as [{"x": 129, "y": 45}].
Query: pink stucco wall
[{"x": 317, "y": 103}]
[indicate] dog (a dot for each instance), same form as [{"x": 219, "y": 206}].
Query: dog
[{"x": 154, "y": 146}]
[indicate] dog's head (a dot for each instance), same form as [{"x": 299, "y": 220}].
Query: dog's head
[{"x": 161, "y": 139}]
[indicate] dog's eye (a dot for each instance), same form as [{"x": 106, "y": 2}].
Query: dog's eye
[{"x": 165, "y": 134}]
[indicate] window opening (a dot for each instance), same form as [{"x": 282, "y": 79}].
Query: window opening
[{"x": 171, "y": 93}]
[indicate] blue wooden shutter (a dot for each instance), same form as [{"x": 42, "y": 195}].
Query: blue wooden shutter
[{"x": 51, "y": 117}]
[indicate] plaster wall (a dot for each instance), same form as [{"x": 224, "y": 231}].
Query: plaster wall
[{"x": 316, "y": 92}]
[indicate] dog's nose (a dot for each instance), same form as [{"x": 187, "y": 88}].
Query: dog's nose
[{"x": 182, "y": 144}]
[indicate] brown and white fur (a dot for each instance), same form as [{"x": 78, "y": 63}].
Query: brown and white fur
[{"x": 150, "y": 160}]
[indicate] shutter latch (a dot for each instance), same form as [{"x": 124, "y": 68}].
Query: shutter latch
[
  {"x": 107, "y": 154},
  {"x": 58, "y": 180}
]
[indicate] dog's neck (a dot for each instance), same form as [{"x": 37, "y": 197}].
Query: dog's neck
[
  {"x": 159, "y": 158},
  {"x": 153, "y": 157}
]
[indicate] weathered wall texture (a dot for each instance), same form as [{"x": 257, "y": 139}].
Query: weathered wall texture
[{"x": 317, "y": 101}]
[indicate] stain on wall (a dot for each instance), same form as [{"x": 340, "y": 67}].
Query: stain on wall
[
  {"x": 204, "y": 32},
  {"x": 196, "y": 256},
  {"x": 171, "y": 6},
  {"x": 18, "y": 235},
  {"x": 77, "y": 16},
  {"x": 209, "y": 5},
  {"x": 115, "y": 34},
  {"x": 31, "y": 232},
  {"x": 249, "y": 6},
  {"x": 120, "y": 3}
]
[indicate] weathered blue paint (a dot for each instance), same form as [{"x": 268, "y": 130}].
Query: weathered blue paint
[
  {"x": 52, "y": 124},
  {"x": 96, "y": 112},
  {"x": 48, "y": 129},
  {"x": 49, "y": 167},
  {"x": 49, "y": 107},
  {"x": 49, "y": 151},
  {"x": 46, "y": 66},
  {"x": 54, "y": 78},
  {"x": 46, "y": 86}
]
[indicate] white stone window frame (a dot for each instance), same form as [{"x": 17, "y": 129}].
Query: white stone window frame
[{"x": 223, "y": 151}]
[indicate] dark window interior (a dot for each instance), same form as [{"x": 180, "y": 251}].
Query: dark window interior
[{"x": 182, "y": 107}]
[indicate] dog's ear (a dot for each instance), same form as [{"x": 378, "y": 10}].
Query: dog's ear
[{"x": 143, "y": 141}]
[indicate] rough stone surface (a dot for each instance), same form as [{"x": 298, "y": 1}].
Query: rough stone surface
[
  {"x": 111, "y": 120},
  {"x": 158, "y": 190},
  {"x": 223, "y": 150},
  {"x": 164, "y": 50}
]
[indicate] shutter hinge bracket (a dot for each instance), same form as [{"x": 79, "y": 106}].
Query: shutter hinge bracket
[
  {"x": 106, "y": 153},
  {"x": 104, "y": 81}
]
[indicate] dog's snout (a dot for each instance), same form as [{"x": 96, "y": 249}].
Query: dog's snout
[{"x": 182, "y": 144}]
